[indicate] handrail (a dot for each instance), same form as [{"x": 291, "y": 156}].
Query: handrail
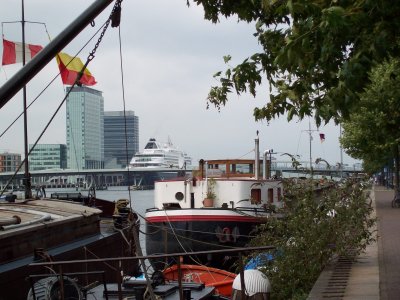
[{"x": 110, "y": 259}]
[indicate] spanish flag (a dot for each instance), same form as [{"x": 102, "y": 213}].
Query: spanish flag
[{"x": 69, "y": 69}]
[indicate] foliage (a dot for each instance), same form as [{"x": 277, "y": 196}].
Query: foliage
[
  {"x": 210, "y": 188},
  {"x": 314, "y": 231},
  {"x": 370, "y": 134},
  {"x": 316, "y": 54}
]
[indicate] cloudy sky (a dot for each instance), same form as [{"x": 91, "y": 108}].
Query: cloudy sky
[{"x": 169, "y": 55}]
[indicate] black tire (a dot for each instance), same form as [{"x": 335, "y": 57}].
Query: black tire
[{"x": 395, "y": 203}]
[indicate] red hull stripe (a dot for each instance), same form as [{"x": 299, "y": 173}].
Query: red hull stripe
[{"x": 191, "y": 218}]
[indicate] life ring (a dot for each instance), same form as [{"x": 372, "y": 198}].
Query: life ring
[{"x": 226, "y": 234}]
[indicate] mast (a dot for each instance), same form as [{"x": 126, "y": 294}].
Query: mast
[
  {"x": 39, "y": 61},
  {"x": 309, "y": 131},
  {"x": 310, "y": 140},
  {"x": 28, "y": 189},
  {"x": 28, "y": 71},
  {"x": 341, "y": 152}
]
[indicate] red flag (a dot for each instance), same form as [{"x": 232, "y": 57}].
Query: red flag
[
  {"x": 12, "y": 52},
  {"x": 322, "y": 137},
  {"x": 69, "y": 69}
]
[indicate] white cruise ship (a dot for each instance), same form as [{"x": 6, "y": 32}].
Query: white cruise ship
[{"x": 160, "y": 155}]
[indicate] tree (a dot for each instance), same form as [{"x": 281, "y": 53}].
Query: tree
[
  {"x": 317, "y": 53},
  {"x": 372, "y": 132}
]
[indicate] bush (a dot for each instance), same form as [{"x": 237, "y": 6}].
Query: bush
[{"x": 314, "y": 230}]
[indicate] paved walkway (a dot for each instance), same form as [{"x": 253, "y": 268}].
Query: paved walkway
[
  {"x": 388, "y": 244},
  {"x": 376, "y": 274}
]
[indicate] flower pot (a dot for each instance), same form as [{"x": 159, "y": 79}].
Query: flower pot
[{"x": 207, "y": 202}]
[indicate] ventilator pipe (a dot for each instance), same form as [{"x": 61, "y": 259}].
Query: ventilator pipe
[
  {"x": 257, "y": 158},
  {"x": 201, "y": 168},
  {"x": 265, "y": 163},
  {"x": 10, "y": 221},
  {"x": 42, "y": 219}
]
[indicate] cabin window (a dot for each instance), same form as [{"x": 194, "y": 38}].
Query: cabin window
[
  {"x": 241, "y": 169},
  {"x": 279, "y": 194},
  {"x": 271, "y": 195},
  {"x": 179, "y": 196},
  {"x": 255, "y": 196}
]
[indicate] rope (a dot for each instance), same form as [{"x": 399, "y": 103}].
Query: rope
[
  {"x": 107, "y": 264},
  {"x": 118, "y": 11}
]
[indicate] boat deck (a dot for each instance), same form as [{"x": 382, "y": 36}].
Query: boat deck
[
  {"x": 27, "y": 225},
  {"x": 164, "y": 291}
]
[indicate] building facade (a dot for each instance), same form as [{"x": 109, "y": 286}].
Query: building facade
[
  {"x": 121, "y": 138},
  {"x": 85, "y": 128},
  {"x": 9, "y": 162},
  {"x": 48, "y": 156}
]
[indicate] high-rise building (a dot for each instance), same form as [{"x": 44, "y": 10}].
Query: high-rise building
[
  {"x": 48, "y": 156},
  {"x": 120, "y": 144},
  {"x": 85, "y": 133},
  {"x": 9, "y": 162}
]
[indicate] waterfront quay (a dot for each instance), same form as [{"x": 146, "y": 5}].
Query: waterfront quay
[
  {"x": 374, "y": 275},
  {"x": 85, "y": 178}
]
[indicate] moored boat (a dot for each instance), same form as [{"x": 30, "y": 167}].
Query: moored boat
[
  {"x": 107, "y": 207},
  {"x": 184, "y": 219},
  {"x": 220, "y": 279},
  {"x": 52, "y": 230}
]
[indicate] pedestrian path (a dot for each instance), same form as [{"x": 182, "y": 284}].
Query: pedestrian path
[
  {"x": 376, "y": 273},
  {"x": 388, "y": 244}
]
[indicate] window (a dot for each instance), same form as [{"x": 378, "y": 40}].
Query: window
[
  {"x": 255, "y": 196},
  {"x": 271, "y": 195}
]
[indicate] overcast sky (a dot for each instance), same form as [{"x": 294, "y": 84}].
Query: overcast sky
[{"x": 169, "y": 55}]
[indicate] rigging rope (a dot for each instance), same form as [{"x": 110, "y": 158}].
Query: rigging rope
[
  {"x": 77, "y": 82},
  {"x": 116, "y": 15}
]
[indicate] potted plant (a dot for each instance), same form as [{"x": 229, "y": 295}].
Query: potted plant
[{"x": 210, "y": 195}]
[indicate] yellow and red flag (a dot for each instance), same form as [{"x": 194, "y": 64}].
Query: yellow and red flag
[{"x": 70, "y": 67}]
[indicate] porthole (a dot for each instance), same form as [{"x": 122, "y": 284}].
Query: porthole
[{"x": 179, "y": 196}]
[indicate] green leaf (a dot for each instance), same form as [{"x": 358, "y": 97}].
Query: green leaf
[{"x": 227, "y": 58}]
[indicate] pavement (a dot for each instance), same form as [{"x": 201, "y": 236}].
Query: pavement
[{"x": 375, "y": 274}]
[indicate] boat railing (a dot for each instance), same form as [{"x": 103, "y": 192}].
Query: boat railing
[{"x": 120, "y": 260}]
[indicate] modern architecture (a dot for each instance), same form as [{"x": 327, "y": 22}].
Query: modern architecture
[
  {"x": 85, "y": 133},
  {"x": 48, "y": 156},
  {"x": 121, "y": 138},
  {"x": 9, "y": 162}
]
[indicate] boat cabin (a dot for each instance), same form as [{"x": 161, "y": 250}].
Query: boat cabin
[{"x": 229, "y": 184}]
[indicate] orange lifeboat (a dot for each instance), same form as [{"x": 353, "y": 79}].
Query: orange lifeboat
[{"x": 220, "y": 279}]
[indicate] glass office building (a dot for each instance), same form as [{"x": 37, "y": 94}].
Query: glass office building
[
  {"x": 85, "y": 128},
  {"x": 48, "y": 156},
  {"x": 120, "y": 144}
]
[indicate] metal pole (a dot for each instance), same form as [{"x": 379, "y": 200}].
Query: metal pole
[
  {"x": 28, "y": 190},
  {"x": 341, "y": 152},
  {"x": 23, "y": 76},
  {"x": 309, "y": 131},
  {"x": 257, "y": 158}
]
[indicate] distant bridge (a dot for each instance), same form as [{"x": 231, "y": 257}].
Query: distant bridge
[
  {"x": 320, "y": 168},
  {"x": 86, "y": 178},
  {"x": 147, "y": 176}
]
